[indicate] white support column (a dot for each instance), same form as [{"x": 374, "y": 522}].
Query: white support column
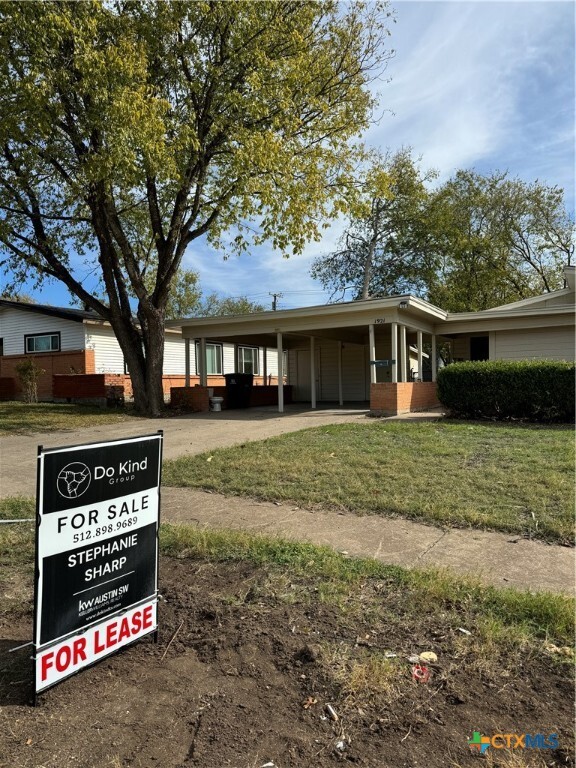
[
  {"x": 186, "y": 362},
  {"x": 372, "y": 350},
  {"x": 420, "y": 358},
  {"x": 403, "y": 355},
  {"x": 280, "y": 373},
  {"x": 312, "y": 373},
  {"x": 202, "y": 368},
  {"x": 434, "y": 361},
  {"x": 394, "y": 363},
  {"x": 265, "y": 368},
  {"x": 340, "y": 387}
]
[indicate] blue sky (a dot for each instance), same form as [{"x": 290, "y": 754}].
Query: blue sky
[{"x": 473, "y": 84}]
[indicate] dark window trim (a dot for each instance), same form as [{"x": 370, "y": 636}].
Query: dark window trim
[
  {"x": 214, "y": 344},
  {"x": 248, "y": 346},
  {"x": 40, "y": 335}
]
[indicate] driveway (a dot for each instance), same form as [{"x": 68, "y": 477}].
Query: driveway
[{"x": 188, "y": 434}]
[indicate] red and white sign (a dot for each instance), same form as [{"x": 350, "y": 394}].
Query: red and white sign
[{"x": 59, "y": 661}]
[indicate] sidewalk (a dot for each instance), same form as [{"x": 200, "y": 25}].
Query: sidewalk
[{"x": 503, "y": 560}]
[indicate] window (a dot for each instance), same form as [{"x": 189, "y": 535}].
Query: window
[
  {"x": 42, "y": 342},
  {"x": 479, "y": 348},
  {"x": 248, "y": 360},
  {"x": 213, "y": 359},
  {"x": 1, "y": 347}
]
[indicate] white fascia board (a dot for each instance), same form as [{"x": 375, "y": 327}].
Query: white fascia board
[
  {"x": 349, "y": 314},
  {"x": 465, "y": 322},
  {"x": 533, "y": 300}
]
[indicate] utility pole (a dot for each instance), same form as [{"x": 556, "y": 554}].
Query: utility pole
[{"x": 275, "y": 297}]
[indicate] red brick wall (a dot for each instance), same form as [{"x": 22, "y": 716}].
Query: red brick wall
[
  {"x": 7, "y": 389},
  {"x": 190, "y": 398},
  {"x": 195, "y": 399},
  {"x": 389, "y": 399},
  {"x": 78, "y": 360}
]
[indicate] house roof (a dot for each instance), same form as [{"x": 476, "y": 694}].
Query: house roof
[{"x": 79, "y": 315}]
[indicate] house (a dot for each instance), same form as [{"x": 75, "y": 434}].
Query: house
[
  {"x": 386, "y": 352},
  {"x": 82, "y": 359}
]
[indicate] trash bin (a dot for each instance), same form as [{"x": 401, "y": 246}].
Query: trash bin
[{"x": 238, "y": 389}]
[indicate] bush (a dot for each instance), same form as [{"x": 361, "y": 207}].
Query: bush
[
  {"x": 29, "y": 374},
  {"x": 536, "y": 390}
]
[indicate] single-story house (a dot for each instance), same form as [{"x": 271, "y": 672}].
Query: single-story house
[
  {"x": 82, "y": 358},
  {"x": 385, "y": 352}
]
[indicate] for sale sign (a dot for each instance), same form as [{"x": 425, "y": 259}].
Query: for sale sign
[{"x": 96, "y": 552}]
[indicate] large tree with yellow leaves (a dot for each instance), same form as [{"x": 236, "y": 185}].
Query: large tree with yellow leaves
[{"x": 131, "y": 129}]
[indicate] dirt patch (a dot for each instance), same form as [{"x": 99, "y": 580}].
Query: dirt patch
[{"x": 244, "y": 668}]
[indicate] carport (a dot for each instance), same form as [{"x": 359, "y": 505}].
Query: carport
[{"x": 362, "y": 350}]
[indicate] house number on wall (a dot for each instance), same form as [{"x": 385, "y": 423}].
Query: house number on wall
[{"x": 379, "y": 321}]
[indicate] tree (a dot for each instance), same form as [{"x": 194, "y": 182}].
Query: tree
[
  {"x": 226, "y": 305},
  {"x": 497, "y": 240},
  {"x": 384, "y": 248},
  {"x": 130, "y": 129}
]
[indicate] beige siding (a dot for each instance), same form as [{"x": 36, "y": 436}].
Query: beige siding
[
  {"x": 108, "y": 357},
  {"x": 17, "y": 323},
  {"x": 541, "y": 343}
]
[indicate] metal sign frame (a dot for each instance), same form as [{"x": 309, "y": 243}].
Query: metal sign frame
[{"x": 97, "y": 524}]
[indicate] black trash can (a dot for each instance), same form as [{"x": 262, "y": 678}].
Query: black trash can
[{"x": 238, "y": 389}]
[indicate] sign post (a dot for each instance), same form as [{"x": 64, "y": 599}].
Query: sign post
[{"x": 96, "y": 587}]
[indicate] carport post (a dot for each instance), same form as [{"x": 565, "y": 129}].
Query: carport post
[
  {"x": 187, "y": 362},
  {"x": 394, "y": 363},
  {"x": 420, "y": 359},
  {"x": 280, "y": 373},
  {"x": 402, "y": 353},
  {"x": 202, "y": 366},
  {"x": 434, "y": 361},
  {"x": 340, "y": 391},
  {"x": 372, "y": 344},
  {"x": 312, "y": 373}
]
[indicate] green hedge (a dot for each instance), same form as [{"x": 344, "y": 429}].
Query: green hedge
[{"x": 537, "y": 390}]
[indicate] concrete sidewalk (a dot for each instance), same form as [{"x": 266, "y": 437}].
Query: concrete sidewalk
[
  {"x": 504, "y": 560},
  {"x": 499, "y": 559}
]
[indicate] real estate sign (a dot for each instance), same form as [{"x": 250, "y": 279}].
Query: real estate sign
[{"x": 96, "y": 552}]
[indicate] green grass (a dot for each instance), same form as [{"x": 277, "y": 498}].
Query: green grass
[
  {"x": 517, "y": 479},
  {"x": 27, "y": 418},
  {"x": 498, "y": 616}
]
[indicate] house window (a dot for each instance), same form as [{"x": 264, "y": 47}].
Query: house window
[
  {"x": 479, "y": 348},
  {"x": 248, "y": 360},
  {"x": 213, "y": 359},
  {"x": 42, "y": 342}
]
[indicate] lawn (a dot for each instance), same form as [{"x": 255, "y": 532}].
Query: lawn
[
  {"x": 513, "y": 478},
  {"x": 27, "y": 418}
]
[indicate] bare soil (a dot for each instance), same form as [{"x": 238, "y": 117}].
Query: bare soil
[{"x": 242, "y": 674}]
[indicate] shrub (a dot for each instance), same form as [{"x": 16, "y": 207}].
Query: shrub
[
  {"x": 29, "y": 374},
  {"x": 536, "y": 390}
]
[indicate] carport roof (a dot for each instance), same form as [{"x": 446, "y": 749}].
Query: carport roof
[{"x": 405, "y": 309}]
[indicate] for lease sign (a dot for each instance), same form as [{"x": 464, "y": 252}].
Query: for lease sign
[{"x": 96, "y": 552}]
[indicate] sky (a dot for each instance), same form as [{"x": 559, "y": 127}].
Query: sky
[{"x": 472, "y": 84}]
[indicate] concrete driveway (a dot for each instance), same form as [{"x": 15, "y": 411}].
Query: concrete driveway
[{"x": 188, "y": 434}]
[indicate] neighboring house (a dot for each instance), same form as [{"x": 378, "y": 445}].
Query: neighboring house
[
  {"x": 66, "y": 342},
  {"x": 386, "y": 351}
]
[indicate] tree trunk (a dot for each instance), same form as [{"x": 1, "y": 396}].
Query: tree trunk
[{"x": 143, "y": 349}]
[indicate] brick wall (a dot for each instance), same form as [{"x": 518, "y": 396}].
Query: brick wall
[
  {"x": 190, "y": 398},
  {"x": 53, "y": 363},
  {"x": 7, "y": 388},
  {"x": 387, "y": 399},
  {"x": 193, "y": 398}
]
